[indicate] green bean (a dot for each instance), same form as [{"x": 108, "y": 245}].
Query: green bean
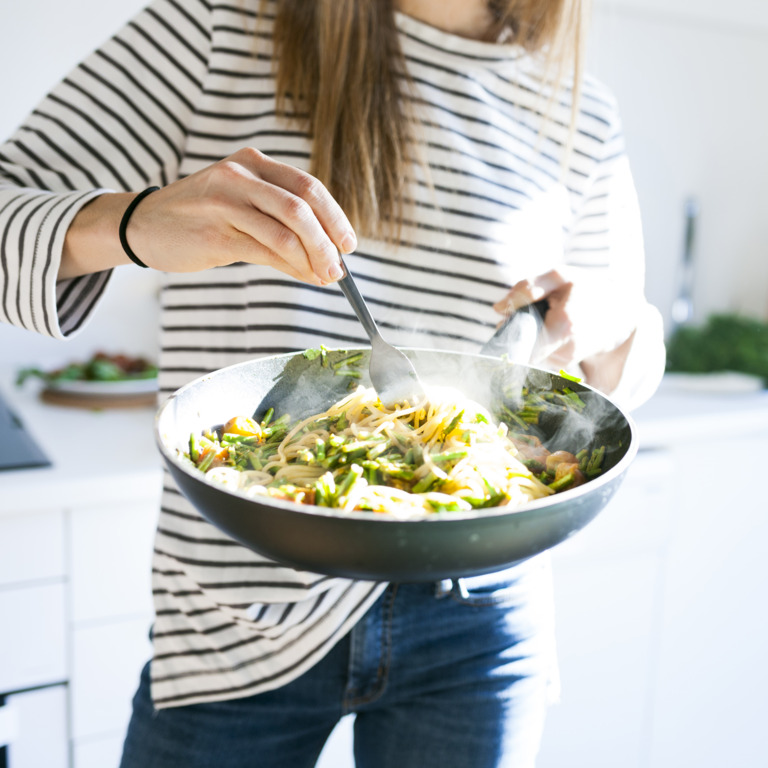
[
  {"x": 448, "y": 456},
  {"x": 351, "y": 360},
  {"x": 452, "y": 425},
  {"x": 595, "y": 461},
  {"x": 351, "y": 477},
  {"x": 425, "y": 483}
]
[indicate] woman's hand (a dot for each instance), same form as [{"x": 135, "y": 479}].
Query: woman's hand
[
  {"x": 555, "y": 347},
  {"x": 576, "y": 335},
  {"x": 245, "y": 208}
]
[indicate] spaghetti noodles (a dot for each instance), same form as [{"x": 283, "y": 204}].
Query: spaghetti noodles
[{"x": 446, "y": 454}]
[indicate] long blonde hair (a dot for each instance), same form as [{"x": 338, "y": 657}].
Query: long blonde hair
[{"x": 339, "y": 63}]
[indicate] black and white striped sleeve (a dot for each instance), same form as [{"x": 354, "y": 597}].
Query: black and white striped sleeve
[
  {"x": 605, "y": 254},
  {"x": 117, "y": 122}
]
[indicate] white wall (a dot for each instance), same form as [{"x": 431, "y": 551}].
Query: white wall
[{"x": 690, "y": 79}]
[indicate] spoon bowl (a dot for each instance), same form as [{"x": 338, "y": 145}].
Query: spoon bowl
[{"x": 392, "y": 374}]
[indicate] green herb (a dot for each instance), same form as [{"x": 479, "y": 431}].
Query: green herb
[
  {"x": 725, "y": 342},
  {"x": 568, "y": 376}
]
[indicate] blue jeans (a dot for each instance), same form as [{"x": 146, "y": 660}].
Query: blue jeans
[{"x": 451, "y": 675}]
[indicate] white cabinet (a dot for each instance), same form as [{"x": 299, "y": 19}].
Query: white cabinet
[
  {"x": 33, "y": 641},
  {"x": 31, "y": 546},
  {"x": 32, "y": 601},
  {"x": 111, "y": 560},
  {"x": 711, "y": 696},
  {"x": 104, "y": 752},
  {"x": 111, "y": 614},
  {"x": 106, "y": 662},
  {"x": 75, "y": 584},
  {"x": 39, "y": 738},
  {"x": 661, "y": 627},
  {"x": 75, "y": 597},
  {"x": 607, "y": 590}
]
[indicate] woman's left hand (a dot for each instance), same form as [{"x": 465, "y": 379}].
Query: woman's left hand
[
  {"x": 556, "y": 346},
  {"x": 576, "y": 335}
]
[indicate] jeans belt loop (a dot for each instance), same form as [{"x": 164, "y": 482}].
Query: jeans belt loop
[{"x": 460, "y": 589}]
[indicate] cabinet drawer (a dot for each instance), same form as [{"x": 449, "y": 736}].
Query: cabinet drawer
[
  {"x": 111, "y": 557},
  {"x": 106, "y": 663},
  {"x": 40, "y": 735},
  {"x": 103, "y": 752},
  {"x": 31, "y": 546},
  {"x": 32, "y": 643}
]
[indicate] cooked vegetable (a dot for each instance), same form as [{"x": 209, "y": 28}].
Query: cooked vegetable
[
  {"x": 100, "y": 367},
  {"x": 441, "y": 455}
]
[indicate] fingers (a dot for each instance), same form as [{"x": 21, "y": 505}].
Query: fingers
[
  {"x": 310, "y": 227},
  {"x": 264, "y": 239},
  {"x": 244, "y": 248},
  {"x": 530, "y": 290},
  {"x": 311, "y": 191},
  {"x": 555, "y": 345},
  {"x": 245, "y": 208}
]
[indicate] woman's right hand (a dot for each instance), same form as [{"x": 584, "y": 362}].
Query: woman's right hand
[{"x": 244, "y": 208}]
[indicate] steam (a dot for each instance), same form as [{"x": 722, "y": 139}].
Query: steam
[
  {"x": 587, "y": 420},
  {"x": 572, "y": 417}
]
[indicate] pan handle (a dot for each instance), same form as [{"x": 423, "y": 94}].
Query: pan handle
[{"x": 516, "y": 336}]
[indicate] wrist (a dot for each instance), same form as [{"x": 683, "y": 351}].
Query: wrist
[
  {"x": 92, "y": 242},
  {"x": 125, "y": 220},
  {"x": 604, "y": 369}
]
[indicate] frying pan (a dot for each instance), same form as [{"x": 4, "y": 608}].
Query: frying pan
[{"x": 378, "y": 547}]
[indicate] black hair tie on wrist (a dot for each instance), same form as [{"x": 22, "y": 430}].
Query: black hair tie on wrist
[{"x": 124, "y": 225}]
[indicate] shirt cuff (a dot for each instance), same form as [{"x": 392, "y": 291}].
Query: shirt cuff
[{"x": 645, "y": 364}]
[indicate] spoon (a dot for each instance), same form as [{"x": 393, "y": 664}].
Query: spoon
[
  {"x": 392, "y": 373},
  {"x": 516, "y": 340},
  {"x": 516, "y": 337}
]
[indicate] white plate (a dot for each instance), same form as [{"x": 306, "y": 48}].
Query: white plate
[{"x": 105, "y": 388}]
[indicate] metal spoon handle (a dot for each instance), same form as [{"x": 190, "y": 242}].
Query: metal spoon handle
[
  {"x": 350, "y": 290},
  {"x": 517, "y": 335}
]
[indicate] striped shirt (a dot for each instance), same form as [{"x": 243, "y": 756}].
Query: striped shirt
[{"x": 188, "y": 82}]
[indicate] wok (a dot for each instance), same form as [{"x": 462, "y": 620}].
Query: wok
[{"x": 372, "y": 546}]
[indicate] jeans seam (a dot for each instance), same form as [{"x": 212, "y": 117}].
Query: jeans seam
[{"x": 382, "y": 671}]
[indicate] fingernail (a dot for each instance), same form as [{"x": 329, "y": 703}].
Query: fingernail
[
  {"x": 335, "y": 272},
  {"x": 348, "y": 243}
]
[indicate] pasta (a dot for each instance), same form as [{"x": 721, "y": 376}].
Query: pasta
[{"x": 446, "y": 454}]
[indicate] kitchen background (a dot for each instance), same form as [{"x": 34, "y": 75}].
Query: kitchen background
[{"x": 661, "y": 607}]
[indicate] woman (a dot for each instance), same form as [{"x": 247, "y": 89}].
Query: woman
[{"x": 468, "y": 179}]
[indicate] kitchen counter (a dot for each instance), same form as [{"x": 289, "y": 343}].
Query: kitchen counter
[
  {"x": 93, "y": 453},
  {"x": 680, "y": 412}
]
